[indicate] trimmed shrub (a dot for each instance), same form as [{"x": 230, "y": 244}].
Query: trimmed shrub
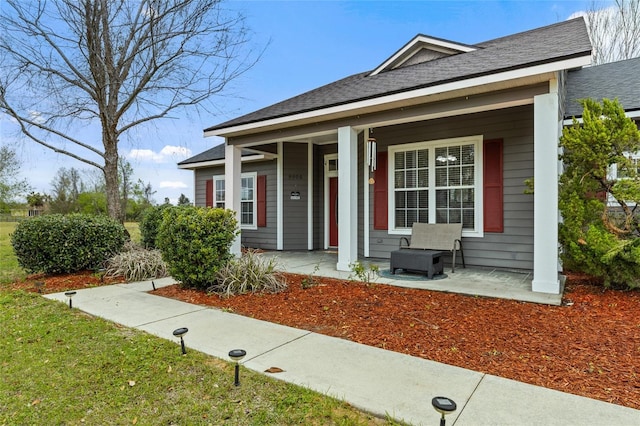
[
  {"x": 250, "y": 273},
  {"x": 57, "y": 243},
  {"x": 150, "y": 224},
  {"x": 195, "y": 243},
  {"x": 135, "y": 263}
]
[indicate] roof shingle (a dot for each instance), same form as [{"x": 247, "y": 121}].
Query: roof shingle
[
  {"x": 563, "y": 40},
  {"x": 614, "y": 80}
]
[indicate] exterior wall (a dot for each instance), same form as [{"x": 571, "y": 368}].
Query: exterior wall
[
  {"x": 263, "y": 237},
  {"x": 514, "y": 247},
  {"x": 511, "y": 249},
  {"x": 295, "y": 179}
]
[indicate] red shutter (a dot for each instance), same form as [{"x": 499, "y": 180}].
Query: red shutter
[
  {"x": 209, "y": 193},
  {"x": 261, "y": 190},
  {"x": 493, "y": 183},
  {"x": 380, "y": 197}
]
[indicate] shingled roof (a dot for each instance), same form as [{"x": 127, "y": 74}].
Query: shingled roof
[
  {"x": 614, "y": 80},
  {"x": 213, "y": 154},
  {"x": 564, "y": 40}
]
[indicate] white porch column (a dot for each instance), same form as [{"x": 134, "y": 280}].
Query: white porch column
[
  {"x": 232, "y": 187},
  {"x": 347, "y": 198},
  {"x": 279, "y": 199},
  {"x": 310, "y": 196},
  {"x": 545, "y": 210}
]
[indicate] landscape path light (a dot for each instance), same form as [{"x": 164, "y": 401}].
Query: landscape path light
[
  {"x": 444, "y": 406},
  {"x": 70, "y": 294},
  {"x": 180, "y": 332},
  {"x": 236, "y": 355}
]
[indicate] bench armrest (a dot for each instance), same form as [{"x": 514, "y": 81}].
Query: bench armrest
[{"x": 406, "y": 240}]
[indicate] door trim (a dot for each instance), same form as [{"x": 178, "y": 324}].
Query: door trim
[{"x": 328, "y": 174}]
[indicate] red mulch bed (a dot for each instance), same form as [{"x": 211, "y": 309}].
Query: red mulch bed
[
  {"x": 63, "y": 282},
  {"x": 590, "y": 346}
]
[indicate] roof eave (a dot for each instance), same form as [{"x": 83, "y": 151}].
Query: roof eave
[
  {"x": 221, "y": 162},
  {"x": 577, "y": 60}
]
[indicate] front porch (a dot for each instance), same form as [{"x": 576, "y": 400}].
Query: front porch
[{"x": 472, "y": 280}]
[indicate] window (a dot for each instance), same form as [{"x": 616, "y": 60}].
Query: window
[
  {"x": 634, "y": 163},
  {"x": 436, "y": 182},
  {"x": 247, "y": 198}
]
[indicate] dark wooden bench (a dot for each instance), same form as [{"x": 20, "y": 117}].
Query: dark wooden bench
[{"x": 429, "y": 237}]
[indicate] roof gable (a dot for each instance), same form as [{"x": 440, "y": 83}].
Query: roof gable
[
  {"x": 420, "y": 49},
  {"x": 554, "y": 44}
]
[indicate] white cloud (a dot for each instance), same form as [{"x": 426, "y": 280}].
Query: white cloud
[
  {"x": 173, "y": 184},
  {"x": 168, "y": 153},
  {"x": 36, "y": 117},
  {"x": 176, "y": 151},
  {"x": 145, "y": 155}
]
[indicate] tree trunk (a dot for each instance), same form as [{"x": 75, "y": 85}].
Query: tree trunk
[{"x": 111, "y": 179}]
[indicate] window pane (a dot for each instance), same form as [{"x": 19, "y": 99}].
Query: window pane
[
  {"x": 400, "y": 218},
  {"x": 412, "y": 217},
  {"x": 442, "y": 216},
  {"x": 468, "y": 198},
  {"x": 467, "y": 175},
  {"x": 423, "y": 199},
  {"x": 442, "y": 198},
  {"x": 454, "y": 216},
  {"x": 423, "y": 158},
  {"x": 454, "y": 176},
  {"x": 399, "y": 177},
  {"x": 399, "y": 160},
  {"x": 454, "y": 155},
  {"x": 454, "y": 198},
  {"x": 441, "y": 176},
  {"x": 423, "y": 216},
  {"x": 401, "y": 198},
  {"x": 412, "y": 199},
  {"x": 423, "y": 178},
  {"x": 411, "y": 181},
  {"x": 468, "y": 155},
  {"x": 468, "y": 219},
  {"x": 410, "y": 160}
]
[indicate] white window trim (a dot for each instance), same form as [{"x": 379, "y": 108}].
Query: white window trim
[
  {"x": 254, "y": 175},
  {"x": 477, "y": 140}
]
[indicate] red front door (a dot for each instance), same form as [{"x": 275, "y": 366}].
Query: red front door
[{"x": 333, "y": 212}]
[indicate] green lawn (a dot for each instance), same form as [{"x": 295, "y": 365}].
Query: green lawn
[
  {"x": 60, "y": 366},
  {"x": 10, "y": 271}
]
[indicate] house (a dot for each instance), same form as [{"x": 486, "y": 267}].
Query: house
[
  {"x": 439, "y": 132},
  {"x": 616, "y": 80}
]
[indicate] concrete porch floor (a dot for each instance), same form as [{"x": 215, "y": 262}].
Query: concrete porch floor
[{"x": 472, "y": 280}]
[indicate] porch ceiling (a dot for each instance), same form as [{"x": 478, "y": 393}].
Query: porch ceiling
[{"x": 501, "y": 95}]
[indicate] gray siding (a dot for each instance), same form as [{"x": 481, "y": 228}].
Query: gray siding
[
  {"x": 263, "y": 237},
  {"x": 295, "y": 211},
  {"x": 514, "y": 247},
  {"x": 511, "y": 249}
]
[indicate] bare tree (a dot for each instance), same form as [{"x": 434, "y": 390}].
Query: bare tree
[
  {"x": 614, "y": 30},
  {"x": 66, "y": 65}
]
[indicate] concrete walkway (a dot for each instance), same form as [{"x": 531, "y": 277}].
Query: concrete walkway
[{"x": 371, "y": 379}]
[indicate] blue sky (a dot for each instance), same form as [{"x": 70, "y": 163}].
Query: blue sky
[{"x": 308, "y": 44}]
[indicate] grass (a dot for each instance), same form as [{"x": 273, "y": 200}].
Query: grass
[
  {"x": 10, "y": 271},
  {"x": 61, "y": 366}
]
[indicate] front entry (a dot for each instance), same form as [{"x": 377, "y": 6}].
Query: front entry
[{"x": 333, "y": 212}]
